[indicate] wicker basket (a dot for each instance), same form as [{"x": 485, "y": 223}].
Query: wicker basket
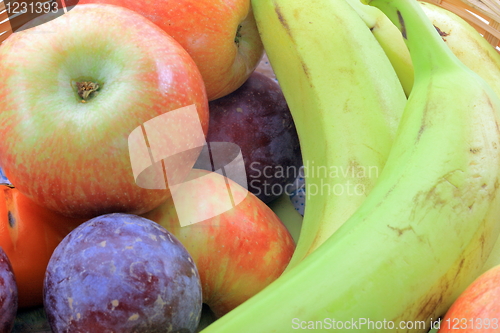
[
  {"x": 5, "y": 28},
  {"x": 483, "y": 15}
]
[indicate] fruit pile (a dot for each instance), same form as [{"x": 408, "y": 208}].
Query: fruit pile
[
  {"x": 147, "y": 166},
  {"x": 123, "y": 209}
]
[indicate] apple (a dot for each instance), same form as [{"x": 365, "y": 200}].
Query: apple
[
  {"x": 220, "y": 35},
  {"x": 238, "y": 252},
  {"x": 75, "y": 97},
  {"x": 256, "y": 118},
  {"x": 477, "y": 309}
]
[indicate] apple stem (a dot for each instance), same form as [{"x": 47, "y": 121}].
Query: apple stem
[
  {"x": 86, "y": 88},
  {"x": 238, "y": 35}
]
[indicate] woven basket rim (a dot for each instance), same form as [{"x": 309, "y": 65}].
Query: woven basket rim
[{"x": 487, "y": 7}]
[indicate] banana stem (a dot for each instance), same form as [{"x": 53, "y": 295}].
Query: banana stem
[{"x": 428, "y": 51}]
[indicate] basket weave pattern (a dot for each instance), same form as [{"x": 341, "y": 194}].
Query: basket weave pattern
[{"x": 5, "y": 26}]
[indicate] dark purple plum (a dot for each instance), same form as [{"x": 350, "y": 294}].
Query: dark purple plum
[
  {"x": 257, "y": 119},
  {"x": 122, "y": 273},
  {"x": 8, "y": 294}
]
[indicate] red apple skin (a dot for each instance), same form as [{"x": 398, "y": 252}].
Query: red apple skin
[
  {"x": 239, "y": 252},
  {"x": 73, "y": 157},
  {"x": 207, "y": 30},
  {"x": 477, "y": 307}
]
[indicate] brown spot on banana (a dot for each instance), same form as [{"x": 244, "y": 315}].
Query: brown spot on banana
[
  {"x": 400, "y": 231},
  {"x": 296, "y": 13},
  {"x": 430, "y": 305},
  {"x": 475, "y": 150},
  {"x": 306, "y": 71},
  {"x": 282, "y": 20},
  {"x": 402, "y": 23},
  {"x": 420, "y": 131},
  {"x": 375, "y": 26},
  {"x": 495, "y": 187},
  {"x": 452, "y": 283},
  {"x": 482, "y": 241},
  {"x": 441, "y": 32},
  {"x": 284, "y": 23},
  {"x": 461, "y": 264},
  {"x": 423, "y": 126}
]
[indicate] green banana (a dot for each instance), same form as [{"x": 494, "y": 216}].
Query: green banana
[
  {"x": 466, "y": 43},
  {"x": 493, "y": 259},
  {"x": 389, "y": 38},
  {"x": 477, "y": 54},
  {"x": 284, "y": 209},
  {"x": 350, "y": 103},
  {"x": 425, "y": 230}
]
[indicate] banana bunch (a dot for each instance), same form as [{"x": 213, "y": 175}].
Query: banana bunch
[
  {"x": 430, "y": 220},
  {"x": 389, "y": 38},
  {"x": 466, "y": 43},
  {"x": 347, "y": 129},
  {"x": 477, "y": 54},
  {"x": 462, "y": 39}
]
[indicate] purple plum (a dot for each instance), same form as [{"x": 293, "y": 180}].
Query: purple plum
[
  {"x": 256, "y": 118},
  {"x": 122, "y": 273},
  {"x": 8, "y": 294}
]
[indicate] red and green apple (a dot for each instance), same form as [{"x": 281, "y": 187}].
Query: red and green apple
[
  {"x": 220, "y": 35},
  {"x": 238, "y": 252},
  {"x": 74, "y": 89}
]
